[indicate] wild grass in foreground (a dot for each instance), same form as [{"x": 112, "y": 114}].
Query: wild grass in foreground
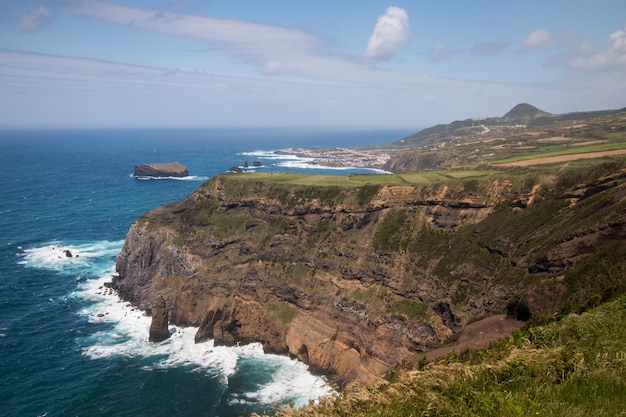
[{"x": 571, "y": 366}]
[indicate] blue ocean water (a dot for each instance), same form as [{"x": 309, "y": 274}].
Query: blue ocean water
[{"x": 70, "y": 347}]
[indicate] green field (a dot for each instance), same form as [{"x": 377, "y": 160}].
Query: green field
[
  {"x": 356, "y": 180},
  {"x": 426, "y": 177},
  {"x": 601, "y": 147}
]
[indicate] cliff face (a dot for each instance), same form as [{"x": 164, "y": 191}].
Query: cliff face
[{"x": 356, "y": 280}]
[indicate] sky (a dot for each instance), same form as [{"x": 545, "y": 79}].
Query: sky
[{"x": 366, "y": 63}]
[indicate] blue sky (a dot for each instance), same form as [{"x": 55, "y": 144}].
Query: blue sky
[{"x": 370, "y": 63}]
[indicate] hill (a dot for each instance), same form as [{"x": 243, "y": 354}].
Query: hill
[
  {"x": 524, "y": 111},
  {"x": 521, "y": 116},
  {"x": 525, "y": 132}
]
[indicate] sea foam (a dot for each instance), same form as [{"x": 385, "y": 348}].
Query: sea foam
[
  {"x": 292, "y": 161},
  {"x": 271, "y": 154},
  {"x": 90, "y": 259},
  {"x": 187, "y": 178},
  {"x": 121, "y": 330}
]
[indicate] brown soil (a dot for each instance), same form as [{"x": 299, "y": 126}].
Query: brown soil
[
  {"x": 564, "y": 158},
  {"x": 591, "y": 142},
  {"x": 555, "y": 139},
  {"x": 477, "y": 335}
]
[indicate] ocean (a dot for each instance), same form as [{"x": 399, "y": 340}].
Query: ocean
[{"x": 71, "y": 347}]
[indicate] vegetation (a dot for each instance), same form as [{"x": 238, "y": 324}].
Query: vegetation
[
  {"x": 568, "y": 366},
  {"x": 573, "y": 173},
  {"x": 368, "y": 184},
  {"x": 522, "y": 119},
  {"x": 285, "y": 311},
  {"x": 524, "y": 134},
  {"x": 600, "y": 147},
  {"x": 409, "y": 308},
  {"x": 387, "y": 236}
]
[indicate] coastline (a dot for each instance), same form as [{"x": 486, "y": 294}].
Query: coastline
[{"x": 341, "y": 157}]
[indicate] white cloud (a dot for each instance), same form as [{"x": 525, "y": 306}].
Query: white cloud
[
  {"x": 289, "y": 75},
  {"x": 115, "y": 93},
  {"x": 611, "y": 54},
  {"x": 542, "y": 38},
  {"x": 35, "y": 19},
  {"x": 268, "y": 49},
  {"x": 258, "y": 42},
  {"x": 488, "y": 48},
  {"x": 537, "y": 39},
  {"x": 392, "y": 30},
  {"x": 440, "y": 51},
  {"x": 40, "y": 89},
  {"x": 274, "y": 67}
]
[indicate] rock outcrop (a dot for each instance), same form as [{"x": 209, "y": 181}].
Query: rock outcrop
[
  {"x": 168, "y": 169},
  {"x": 356, "y": 280},
  {"x": 159, "y": 329}
]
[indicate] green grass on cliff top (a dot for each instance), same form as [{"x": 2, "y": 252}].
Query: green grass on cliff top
[
  {"x": 470, "y": 172},
  {"x": 356, "y": 180},
  {"x": 570, "y": 366},
  {"x": 316, "y": 179}
]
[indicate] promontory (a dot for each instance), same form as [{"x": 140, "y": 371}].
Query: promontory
[
  {"x": 357, "y": 274},
  {"x": 360, "y": 275}
]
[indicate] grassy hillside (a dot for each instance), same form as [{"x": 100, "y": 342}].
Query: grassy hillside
[
  {"x": 567, "y": 366},
  {"x": 529, "y": 134}
]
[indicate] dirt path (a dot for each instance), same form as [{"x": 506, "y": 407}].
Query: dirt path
[
  {"x": 563, "y": 158},
  {"x": 477, "y": 335}
]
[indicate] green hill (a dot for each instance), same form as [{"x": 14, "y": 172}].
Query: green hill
[
  {"x": 524, "y": 110},
  {"x": 525, "y": 132},
  {"x": 521, "y": 119}
]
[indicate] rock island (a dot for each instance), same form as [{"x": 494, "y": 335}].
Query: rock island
[{"x": 168, "y": 169}]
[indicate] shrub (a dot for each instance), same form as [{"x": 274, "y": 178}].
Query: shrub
[
  {"x": 386, "y": 236},
  {"x": 409, "y": 308}
]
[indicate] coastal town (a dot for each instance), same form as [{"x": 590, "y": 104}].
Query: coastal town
[{"x": 341, "y": 157}]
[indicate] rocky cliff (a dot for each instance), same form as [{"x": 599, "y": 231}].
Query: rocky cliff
[{"x": 354, "y": 280}]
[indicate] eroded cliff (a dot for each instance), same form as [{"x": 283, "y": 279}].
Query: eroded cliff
[{"x": 355, "y": 279}]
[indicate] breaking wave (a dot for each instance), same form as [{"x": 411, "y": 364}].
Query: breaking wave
[
  {"x": 121, "y": 330},
  {"x": 187, "y": 178}
]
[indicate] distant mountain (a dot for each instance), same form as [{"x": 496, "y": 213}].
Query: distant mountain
[
  {"x": 522, "y": 114},
  {"x": 524, "y": 110}
]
